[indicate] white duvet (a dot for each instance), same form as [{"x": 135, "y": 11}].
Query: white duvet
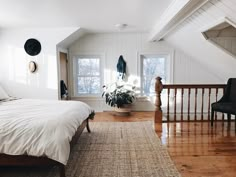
[{"x": 40, "y": 127}]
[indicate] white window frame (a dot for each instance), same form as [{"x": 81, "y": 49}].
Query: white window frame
[
  {"x": 75, "y": 78},
  {"x": 168, "y": 63}
]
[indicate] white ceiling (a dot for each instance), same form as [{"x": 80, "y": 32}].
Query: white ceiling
[{"x": 94, "y": 15}]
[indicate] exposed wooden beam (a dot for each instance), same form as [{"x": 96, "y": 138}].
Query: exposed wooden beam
[{"x": 176, "y": 13}]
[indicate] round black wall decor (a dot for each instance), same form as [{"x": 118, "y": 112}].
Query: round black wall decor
[{"x": 32, "y": 47}]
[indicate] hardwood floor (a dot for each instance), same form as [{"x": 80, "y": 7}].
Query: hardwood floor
[{"x": 197, "y": 149}]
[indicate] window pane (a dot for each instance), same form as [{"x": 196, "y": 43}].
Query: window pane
[
  {"x": 88, "y": 66},
  {"x": 149, "y": 85},
  {"x": 152, "y": 67},
  {"x": 88, "y": 85}
]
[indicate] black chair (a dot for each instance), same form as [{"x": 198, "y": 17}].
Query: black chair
[{"x": 227, "y": 104}]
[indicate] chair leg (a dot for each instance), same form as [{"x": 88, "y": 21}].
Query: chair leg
[
  {"x": 212, "y": 117},
  {"x": 229, "y": 117},
  {"x": 235, "y": 122}
]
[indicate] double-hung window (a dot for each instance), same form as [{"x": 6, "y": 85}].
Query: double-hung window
[
  {"x": 87, "y": 75},
  {"x": 152, "y": 66}
]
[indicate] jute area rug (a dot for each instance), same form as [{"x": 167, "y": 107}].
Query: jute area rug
[{"x": 113, "y": 149}]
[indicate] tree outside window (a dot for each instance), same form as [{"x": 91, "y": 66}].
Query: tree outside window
[
  {"x": 88, "y": 75},
  {"x": 152, "y": 66}
]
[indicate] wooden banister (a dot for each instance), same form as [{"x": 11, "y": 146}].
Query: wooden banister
[
  {"x": 206, "y": 91},
  {"x": 193, "y": 86},
  {"x": 158, "y": 90}
]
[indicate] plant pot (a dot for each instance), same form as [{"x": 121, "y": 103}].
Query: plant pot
[{"x": 123, "y": 111}]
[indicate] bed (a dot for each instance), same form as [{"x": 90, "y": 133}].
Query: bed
[{"x": 40, "y": 132}]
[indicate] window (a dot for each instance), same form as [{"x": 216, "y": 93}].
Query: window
[
  {"x": 151, "y": 67},
  {"x": 87, "y": 75}
]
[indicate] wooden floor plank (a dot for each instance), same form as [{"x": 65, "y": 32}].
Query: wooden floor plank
[{"x": 197, "y": 149}]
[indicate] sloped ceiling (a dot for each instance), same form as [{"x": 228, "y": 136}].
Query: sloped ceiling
[
  {"x": 140, "y": 15},
  {"x": 93, "y": 15},
  {"x": 69, "y": 40},
  {"x": 188, "y": 37},
  {"x": 177, "y": 12},
  {"x": 88, "y": 16}
]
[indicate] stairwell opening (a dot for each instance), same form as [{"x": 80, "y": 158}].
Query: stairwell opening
[{"x": 223, "y": 35}]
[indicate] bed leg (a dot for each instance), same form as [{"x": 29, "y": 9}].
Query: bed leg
[
  {"x": 62, "y": 171},
  {"x": 87, "y": 126}
]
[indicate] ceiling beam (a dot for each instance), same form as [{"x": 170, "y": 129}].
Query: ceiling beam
[{"x": 176, "y": 13}]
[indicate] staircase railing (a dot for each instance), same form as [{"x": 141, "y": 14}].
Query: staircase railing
[{"x": 185, "y": 102}]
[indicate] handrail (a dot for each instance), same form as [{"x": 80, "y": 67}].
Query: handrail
[
  {"x": 159, "y": 87},
  {"x": 185, "y": 86}
]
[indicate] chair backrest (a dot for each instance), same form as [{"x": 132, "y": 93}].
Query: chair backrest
[{"x": 231, "y": 90}]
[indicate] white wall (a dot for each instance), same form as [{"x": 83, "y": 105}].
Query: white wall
[
  {"x": 188, "y": 70},
  {"x": 15, "y": 76},
  {"x": 111, "y": 45},
  {"x": 187, "y": 37}
]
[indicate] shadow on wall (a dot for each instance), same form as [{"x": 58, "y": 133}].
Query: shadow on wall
[
  {"x": 25, "y": 91},
  {"x": 21, "y": 82}
]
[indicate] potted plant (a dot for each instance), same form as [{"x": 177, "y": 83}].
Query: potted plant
[{"x": 120, "y": 96}]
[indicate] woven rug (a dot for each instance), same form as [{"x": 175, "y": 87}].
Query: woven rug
[{"x": 113, "y": 149}]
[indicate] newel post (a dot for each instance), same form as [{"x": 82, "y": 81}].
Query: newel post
[{"x": 158, "y": 111}]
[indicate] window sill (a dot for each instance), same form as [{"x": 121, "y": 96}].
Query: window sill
[
  {"x": 98, "y": 98},
  {"x": 144, "y": 98},
  {"x": 88, "y": 98}
]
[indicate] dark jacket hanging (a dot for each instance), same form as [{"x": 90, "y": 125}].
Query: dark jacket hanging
[
  {"x": 121, "y": 67},
  {"x": 64, "y": 91}
]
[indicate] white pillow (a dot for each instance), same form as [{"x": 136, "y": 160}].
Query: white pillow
[{"x": 3, "y": 94}]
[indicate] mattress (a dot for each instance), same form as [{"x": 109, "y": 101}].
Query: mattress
[{"x": 40, "y": 127}]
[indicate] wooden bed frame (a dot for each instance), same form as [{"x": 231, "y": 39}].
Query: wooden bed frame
[{"x": 25, "y": 160}]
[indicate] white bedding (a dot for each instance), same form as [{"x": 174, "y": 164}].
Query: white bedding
[{"x": 40, "y": 127}]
